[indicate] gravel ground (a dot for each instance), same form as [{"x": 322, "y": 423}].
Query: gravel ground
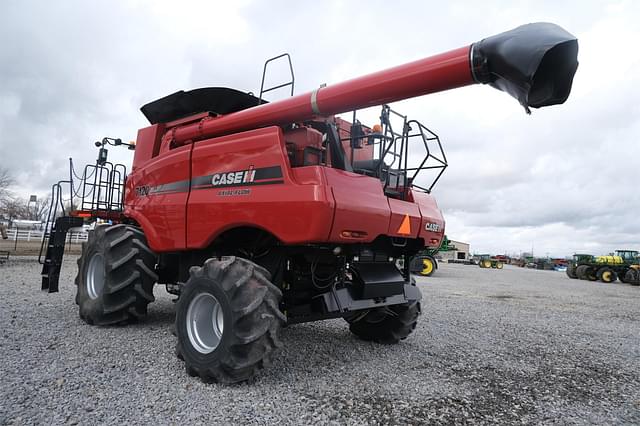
[{"x": 510, "y": 346}]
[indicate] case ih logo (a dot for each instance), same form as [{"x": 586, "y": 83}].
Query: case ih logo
[
  {"x": 247, "y": 177},
  {"x": 433, "y": 227},
  {"x": 235, "y": 178},
  {"x": 251, "y": 176}
]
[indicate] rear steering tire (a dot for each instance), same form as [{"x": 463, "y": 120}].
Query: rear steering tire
[
  {"x": 115, "y": 275},
  {"x": 228, "y": 320},
  {"x": 571, "y": 271},
  {"x": 387, "y": 324}
]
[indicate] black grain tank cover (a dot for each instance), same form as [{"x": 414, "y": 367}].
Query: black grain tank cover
[{"x": 219, "y": 100}]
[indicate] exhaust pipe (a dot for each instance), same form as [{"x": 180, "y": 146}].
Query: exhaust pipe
[{"x": 534, "y": 63}]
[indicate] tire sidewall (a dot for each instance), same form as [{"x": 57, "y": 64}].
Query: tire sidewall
[
  {"x": 612, "y": 275},
  {"x": 195, "y": 286},
  {"x": 95, "y": 245},
  {"x": 382, "y": 327},
  {"x": 581, "y": 272},
  {"x": 631, "y": 277}
]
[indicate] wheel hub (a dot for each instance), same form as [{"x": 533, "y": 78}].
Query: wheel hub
[
  {"x": 205, "y": 323},
  {"x": 427, "y": 266},
  {"x": 94, "y": 279}
]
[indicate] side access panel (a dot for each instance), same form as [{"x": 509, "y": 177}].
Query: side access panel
[
  {"x": 156, "y": 197},
  {"x": 361, "y": 207},
  {"x": 405, "y": 219},
  {"x": 433, "y": 224},
  {"x": 244, "y": 179}
]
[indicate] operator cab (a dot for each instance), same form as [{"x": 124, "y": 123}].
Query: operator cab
[{"x": 627, "y": 255}]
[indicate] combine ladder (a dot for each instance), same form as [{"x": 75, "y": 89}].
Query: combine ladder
[{"x": 55, "y": 251}]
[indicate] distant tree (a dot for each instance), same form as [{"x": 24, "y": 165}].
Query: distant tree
[
  {"x": 6, "y": 180},
  {"x": 21, "y": 208},
  {"x": 14, "y": 208},
  {"x": 40, "y": 209}
]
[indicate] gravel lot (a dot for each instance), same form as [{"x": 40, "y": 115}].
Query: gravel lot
[{"x": 510, "y": 346}]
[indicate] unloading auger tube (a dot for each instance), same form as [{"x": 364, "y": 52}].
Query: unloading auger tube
[{"x": 534, "y": 63}]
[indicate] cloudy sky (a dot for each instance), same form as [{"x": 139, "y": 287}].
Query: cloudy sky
[{"x": 564, "y": 179}]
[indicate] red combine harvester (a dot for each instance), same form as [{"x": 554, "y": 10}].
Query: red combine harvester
[{"x": 263, "y": 214}]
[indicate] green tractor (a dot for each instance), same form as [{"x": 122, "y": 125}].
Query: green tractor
[
  {"x": 578, "y": 260},
  {"x": 487, "y": 261},
  {"x": 623, "y": 265},
  {"x": 424, "y": 263}
]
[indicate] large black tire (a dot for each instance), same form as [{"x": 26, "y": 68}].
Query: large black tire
[
  {"x": 387, "y": 325},
  {"x": 592, "y": 274},
  {"x": 622, "y": 275},
  {"x": 571, "y": 271},
  {"x": 423, "y": 265},
  {"x": 607, "y": 275},
  {"x": 581, "y": 271},
  {"x": 632, "y": 277},
  {"x": 115, "y": 275},
  {"x": 248, "y": 304}
]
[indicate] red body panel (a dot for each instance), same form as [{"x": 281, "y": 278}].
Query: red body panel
[
  {"x": 431, "y": 214},
  {"x": 156, "y": 197},
  {"x": 294, "y": 211},
  {"x": 147, "y": 144},
  {"x": 399, "y": 210},
  {"x": 187, "y": 196},
  {"x": 360, "y": 206}
]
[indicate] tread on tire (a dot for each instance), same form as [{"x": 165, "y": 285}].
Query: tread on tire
[
  {"x": 128, "y": 267},
  {"x": 252, "y": 320},
  {"x": 386, "y": 325}
]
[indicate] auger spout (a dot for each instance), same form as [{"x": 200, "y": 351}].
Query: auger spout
[{"x": 534, "y": 63}]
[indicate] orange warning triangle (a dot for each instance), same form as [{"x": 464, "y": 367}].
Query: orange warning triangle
[{"x": 405, "y": 226}]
